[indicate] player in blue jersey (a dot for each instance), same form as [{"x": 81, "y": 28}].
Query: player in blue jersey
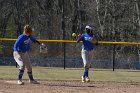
[
  {"x": 88, "y": 42},
  {"x": 21, "y": 48}
]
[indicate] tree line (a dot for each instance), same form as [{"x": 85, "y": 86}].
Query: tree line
[{"x": 113, "y": 20}]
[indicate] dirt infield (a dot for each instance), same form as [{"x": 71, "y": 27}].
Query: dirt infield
[{"x": 10, "y": 86}]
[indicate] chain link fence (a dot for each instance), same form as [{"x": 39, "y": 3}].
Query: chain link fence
[{"x": 104, "y": 56}]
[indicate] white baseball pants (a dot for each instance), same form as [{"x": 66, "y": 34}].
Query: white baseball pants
[
  {"x": 87, "y": 57},
  {"x": 22, "y": 60}
]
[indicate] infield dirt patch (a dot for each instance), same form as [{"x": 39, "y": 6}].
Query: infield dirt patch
[{"x": 45, "y": 86}]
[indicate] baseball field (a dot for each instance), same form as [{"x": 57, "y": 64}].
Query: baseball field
[{"x": 58, "y": 80}]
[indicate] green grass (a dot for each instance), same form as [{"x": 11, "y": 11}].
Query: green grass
[{"x": 102, "y": 75}]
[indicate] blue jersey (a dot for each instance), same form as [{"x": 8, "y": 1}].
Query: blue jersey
[
  {"x": 86, "y": 38},
  {"x": 22, "y": 43}
]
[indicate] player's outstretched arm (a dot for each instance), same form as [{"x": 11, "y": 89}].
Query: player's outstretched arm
[
  {"x": 79, "y": 38},
  {"x": 37, "y": 42},
  {"x": 34, "y": 40}
]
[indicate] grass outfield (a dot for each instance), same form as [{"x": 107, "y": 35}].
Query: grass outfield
[{"x": 102, "y": 75}]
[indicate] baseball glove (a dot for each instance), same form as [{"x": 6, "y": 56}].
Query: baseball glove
[{"x": 43, "y": 48}]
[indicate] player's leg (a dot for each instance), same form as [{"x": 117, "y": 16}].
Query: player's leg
[
  {"x": 29, "y": 68},
  {"x": 19, "y": 60},
  {"x": 84, "y": 54},
  {"x": 88, "y": 65}
]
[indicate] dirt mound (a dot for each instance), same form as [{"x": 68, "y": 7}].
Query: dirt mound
[{"x": 45, "y": 86}]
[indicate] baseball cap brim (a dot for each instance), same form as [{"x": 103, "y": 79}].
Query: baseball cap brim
[{"x": 88, "y": 27}]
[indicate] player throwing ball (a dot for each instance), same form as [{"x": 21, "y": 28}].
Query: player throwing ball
[
  {"x": 21, "y": 48},
  {"x": 88, "y": 42}
]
